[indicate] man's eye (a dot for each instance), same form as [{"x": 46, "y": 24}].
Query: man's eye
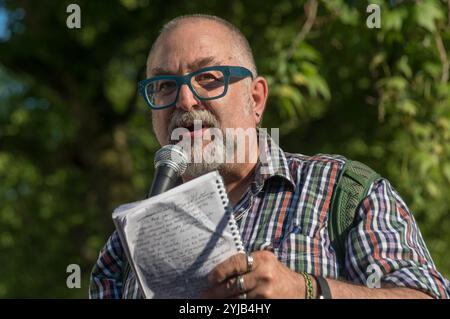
[
  {"x": 167, "y": 86},
  {"x": 206, "y": 77}
]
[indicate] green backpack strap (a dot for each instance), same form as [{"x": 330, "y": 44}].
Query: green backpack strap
[{"x": 352, "y": 187}]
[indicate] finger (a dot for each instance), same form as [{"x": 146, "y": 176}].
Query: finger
[
  {"x": 230, "y": 289},
  {"x": 233, "y": 266}
]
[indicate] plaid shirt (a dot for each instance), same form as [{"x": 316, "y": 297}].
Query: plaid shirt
[{"x": 286, "y": 207}]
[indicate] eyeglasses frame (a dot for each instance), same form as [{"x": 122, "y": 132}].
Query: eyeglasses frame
[{"x": 228, "y": 71}]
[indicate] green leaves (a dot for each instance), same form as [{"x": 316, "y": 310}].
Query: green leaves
[
  {"x": 298, "y": 88},
  {"x": 393, "y": 19},
  {"x": 427, "y": 12},
  {"x": 404, "y": 67}
]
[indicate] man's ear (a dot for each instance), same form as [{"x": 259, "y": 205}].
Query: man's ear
[{"x": 260, "y": 92}]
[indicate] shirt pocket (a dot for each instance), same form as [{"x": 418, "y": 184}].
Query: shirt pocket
[
  {"x": 292, "y": 234},
  {"x": 305, "y": 222}
]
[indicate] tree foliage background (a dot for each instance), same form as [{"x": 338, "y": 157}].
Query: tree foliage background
[{"x": 76, "y": 140}]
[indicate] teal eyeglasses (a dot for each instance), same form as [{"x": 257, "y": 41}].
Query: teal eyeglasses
[{"x": 208, "y": 83}]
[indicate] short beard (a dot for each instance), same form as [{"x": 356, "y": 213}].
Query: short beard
[
  {"x": 194, "y": 169},
  {"x": 216, "y": 148}
]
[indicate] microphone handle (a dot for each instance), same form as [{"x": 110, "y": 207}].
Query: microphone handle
[{"x": 165, "y": 178}]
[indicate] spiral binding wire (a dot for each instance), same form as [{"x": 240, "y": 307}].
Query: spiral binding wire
[{"x": 232, "y": 222}]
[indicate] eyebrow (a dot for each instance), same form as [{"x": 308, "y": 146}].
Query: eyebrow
[{"x": 196, "y": 64}]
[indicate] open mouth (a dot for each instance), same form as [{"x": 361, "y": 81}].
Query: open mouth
[
  {"x": 192, "y": 128},
  {"x": 199, "y": 129}
]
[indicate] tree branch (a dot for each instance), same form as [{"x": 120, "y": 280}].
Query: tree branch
[
  {"x": 311, "y": 13},
  {"x": 443, "y": 56}
]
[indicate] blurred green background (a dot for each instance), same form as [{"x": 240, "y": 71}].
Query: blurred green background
[{"x": 76, "y": 140}]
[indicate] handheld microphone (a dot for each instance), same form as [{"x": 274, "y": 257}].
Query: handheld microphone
[{"x": 170, "y": 164}]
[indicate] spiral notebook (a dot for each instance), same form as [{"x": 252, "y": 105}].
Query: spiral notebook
[{"x": 173, "y": 240}]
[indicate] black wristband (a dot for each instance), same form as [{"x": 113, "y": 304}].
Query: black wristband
[{"x": 324, "y": 289}]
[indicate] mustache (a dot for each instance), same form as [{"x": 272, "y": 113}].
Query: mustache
[{"x": 186, "y": 119}]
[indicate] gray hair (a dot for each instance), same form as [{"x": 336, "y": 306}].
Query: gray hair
[{"x": 240, "y": 41}]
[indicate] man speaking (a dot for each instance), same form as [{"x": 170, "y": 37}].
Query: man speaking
[{"x": 201, "y": 68}]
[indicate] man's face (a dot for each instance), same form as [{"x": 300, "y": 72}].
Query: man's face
[{"x": 187, "y": 48}]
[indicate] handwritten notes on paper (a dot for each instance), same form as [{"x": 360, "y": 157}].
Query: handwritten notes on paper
[{"x": 175, "y": 239}]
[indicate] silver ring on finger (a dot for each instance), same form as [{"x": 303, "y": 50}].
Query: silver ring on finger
[
  {"x": 250, "y": 262},
  {"x": 240, "y": 284},
  {"x": 243, "y": 296}
]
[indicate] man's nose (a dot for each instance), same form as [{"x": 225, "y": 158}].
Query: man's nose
[{"x": 186, "y": 99}]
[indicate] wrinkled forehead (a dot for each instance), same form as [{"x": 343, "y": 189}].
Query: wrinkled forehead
[{"x": 190, "y": 46}]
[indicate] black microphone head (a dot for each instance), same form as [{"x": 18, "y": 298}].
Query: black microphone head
[{"x": 172, "y": 155}]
